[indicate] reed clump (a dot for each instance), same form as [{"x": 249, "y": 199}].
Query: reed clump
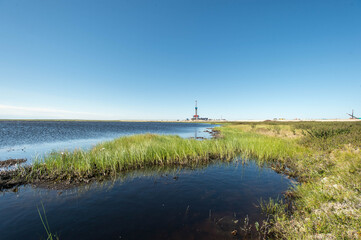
[
  {"x": 141, "y": 151},
  {"x": 130, "y": 152}
]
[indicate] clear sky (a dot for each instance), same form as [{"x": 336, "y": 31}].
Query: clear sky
[{"x": 244, "y": 59}]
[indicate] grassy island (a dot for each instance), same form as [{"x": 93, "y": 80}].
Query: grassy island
[{"x": 323, "y": 157}]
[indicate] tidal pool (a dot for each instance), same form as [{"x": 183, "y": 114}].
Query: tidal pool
[{"x": 204, "y": 202}]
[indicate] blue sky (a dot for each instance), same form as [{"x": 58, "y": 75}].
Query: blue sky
[{"x": 151, "y": 59}]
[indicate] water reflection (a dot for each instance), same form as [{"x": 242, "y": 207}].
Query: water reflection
[{"x": 198, "y": 202}]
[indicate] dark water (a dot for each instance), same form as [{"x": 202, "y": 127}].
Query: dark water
[
  {"x": 28, "y": 139},
  {"x": 203, "y": 203}
]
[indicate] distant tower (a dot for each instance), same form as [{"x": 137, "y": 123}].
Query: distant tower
[{"x": 196, "y": 110}]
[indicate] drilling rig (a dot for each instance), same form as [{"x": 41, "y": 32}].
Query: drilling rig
[{"x": 196, "y": 116}]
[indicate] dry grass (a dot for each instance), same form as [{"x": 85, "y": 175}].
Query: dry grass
[
  {"x": 326, "y": 204},
  {"x": 279, "y": 130}
]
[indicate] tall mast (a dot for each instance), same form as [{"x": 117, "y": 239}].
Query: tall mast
[{"x": 196, "y": 108}]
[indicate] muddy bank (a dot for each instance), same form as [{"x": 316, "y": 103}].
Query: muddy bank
[
  {"x": 10, "y": 179},
  {"x": 214, "y": 133},
  {"x": 26, "y": 175},
  {"x": 60, "y": 181},
  {"x": 11, "y": 162}
]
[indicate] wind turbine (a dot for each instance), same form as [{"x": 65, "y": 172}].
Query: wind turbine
[{"x": 352, "y": 116}]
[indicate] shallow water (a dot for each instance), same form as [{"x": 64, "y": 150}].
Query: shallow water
[
  {"x": 28, "y": 139},
  {"x": 200, "y": 203}
]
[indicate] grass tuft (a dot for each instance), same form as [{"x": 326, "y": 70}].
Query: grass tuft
[{"x": 44, "y": 221}]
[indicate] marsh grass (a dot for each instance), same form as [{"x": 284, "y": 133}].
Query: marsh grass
[
  {"x": 324, "y": 157},
  {"x": 131, "y": 152},
  {"x": 326, "y": 204},
  {"x": 325, "y": 207},
  {"x": 140, "y": 151}
]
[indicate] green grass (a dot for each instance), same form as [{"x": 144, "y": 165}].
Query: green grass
[
  {"x": 326, "y": 204},
  {"x": 324, "y": 157},
  {"x": 44, "y": 221},
  {"x": 140, "y": 151},
  {"x": 131, "y": 152}
]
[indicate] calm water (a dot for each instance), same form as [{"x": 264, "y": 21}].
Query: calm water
[
  {"x": 28, "y": 139},
  {"x": 200, "y": 203},
  {"x": 203, "y": 203}
]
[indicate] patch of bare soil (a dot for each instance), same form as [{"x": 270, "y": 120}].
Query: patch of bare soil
[
  {"x": 10, "y": 179},
  {"x": 214, "y": 133},
  {"x": 11, "y": 162}
]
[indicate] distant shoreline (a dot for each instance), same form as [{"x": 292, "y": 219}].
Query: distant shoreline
[{"x": 185, "y": 121}]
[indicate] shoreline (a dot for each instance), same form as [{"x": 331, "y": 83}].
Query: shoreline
[
  {"x": 13, "y": 178},
  {"x": 215, "y": 121},
  {"x": 324, "y": 158}
]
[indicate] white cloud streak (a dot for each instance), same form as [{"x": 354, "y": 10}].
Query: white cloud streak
[{"x": 7, "y": 111}]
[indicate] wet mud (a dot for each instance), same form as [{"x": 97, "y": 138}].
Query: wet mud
[{"x": 11, "y": 162}]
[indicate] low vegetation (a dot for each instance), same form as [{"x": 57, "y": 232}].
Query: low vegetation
[
  {"x": 324, "y": 157},
  {"x": 44, "y": 221},
  {"x": 140, "y": 151},
  {"x": 326, "y": 204}
]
